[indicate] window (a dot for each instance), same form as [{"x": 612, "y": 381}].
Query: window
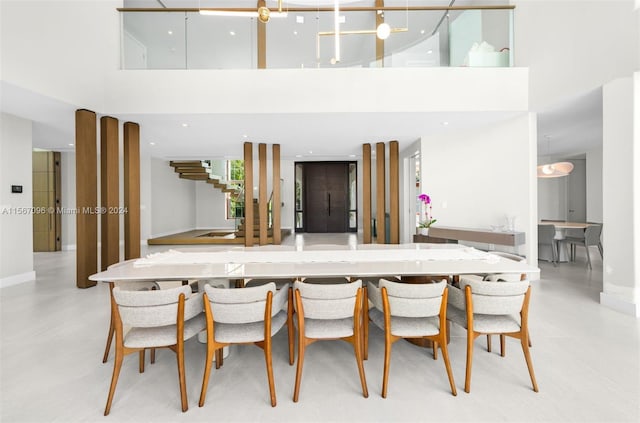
[{"x": 235, "y": 178}]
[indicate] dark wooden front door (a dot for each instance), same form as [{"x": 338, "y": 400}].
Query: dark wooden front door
[{"x": 326, "y": 192}]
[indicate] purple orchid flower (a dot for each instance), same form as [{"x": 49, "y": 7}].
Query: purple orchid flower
[{"x": 425, "y": 198}]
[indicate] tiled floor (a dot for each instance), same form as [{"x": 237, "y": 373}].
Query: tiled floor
[{"x": 585, "y": 357}]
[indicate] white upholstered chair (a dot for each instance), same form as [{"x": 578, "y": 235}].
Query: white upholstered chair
[
  {"x": 483, "y": 307},
  {"x": 499, "y": 277},
  {"x": 325, "y": 312},
  {"x": 158, "y": 319},
  {"x": 244, "y": 316},
  {"x": 546, "y": 236},
  {"x": 126, "y": 286},
  {"x": 404, "y": 310},
  {"x": 591, "y": 238}
]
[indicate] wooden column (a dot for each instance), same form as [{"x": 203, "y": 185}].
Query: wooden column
[
  {"x": 109, "y": 193},
  {"x": 276, "y": 214},
  {"x": 379, "y": 42},
  {"x": 394, "y": 193},
  {"x": 248, "y": 194},
  {"x": 262, "y": 40},
  {"x": 86, "y": 198},
  {"x": 380, "y": 192},
  {"x": 131, "y": 190},
  {"x": 262, "y": 193},
  {"x": 366, "y": 193}
]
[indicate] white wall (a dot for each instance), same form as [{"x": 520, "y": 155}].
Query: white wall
[
  {"x": 16, "y": 221},
  {"x": 173, "y": 200},
  {"x": 621, "y": 194},
  {"x": 210, "y": 207},
  {"x": 49, "y": 64},
  {"x": 477, "y": 177},
  {"x": 594, "y": 185},
  {"x": 573, "y": 47}
]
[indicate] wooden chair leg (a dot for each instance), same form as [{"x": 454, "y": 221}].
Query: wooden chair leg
[
  {"x": 502, "y": 345},
  {"x": 290, "y": 327},
  {"x": 387, "y": 362},
  {"x": 489, "y": 343},
  {"x": 141, "y": 353},
  {"x": 153, "y": 355},
  {"x": 301, "y": 346},
  {"x": 434, "y": 347},
  {"x": 267, "y": 359},
  {"x": 358, "y": 350},
  {"x": 207, "y": 373},
  {"x": 117, "y": 365},
  {"x": 527, "y": 357},
  {"x": 181, "y": 375},
  {"x": 447, "y": 365},
  {"x": 365, "y": 325},
  {"x": 112, "y": 331},
  {"x": 218, "y": 358},
  {"x": 467, "y": 379}
]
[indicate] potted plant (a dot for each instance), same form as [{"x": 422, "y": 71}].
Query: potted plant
[{"x": 428, "y": 220}]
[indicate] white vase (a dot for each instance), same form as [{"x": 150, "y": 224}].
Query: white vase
[{"x": 424, "y": 231}]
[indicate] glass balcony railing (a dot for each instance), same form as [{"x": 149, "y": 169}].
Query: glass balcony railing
[{"x": 306, "y": 38}]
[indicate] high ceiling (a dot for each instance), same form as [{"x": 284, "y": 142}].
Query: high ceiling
[{"x": 569, "y": 129}]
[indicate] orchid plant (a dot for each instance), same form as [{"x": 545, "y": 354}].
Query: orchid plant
[{"x": 426, "y": 205}]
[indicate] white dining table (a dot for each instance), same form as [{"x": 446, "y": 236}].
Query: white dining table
[
  {"x": 362, "y": 260},
  {"x": 561, "y": 227}
]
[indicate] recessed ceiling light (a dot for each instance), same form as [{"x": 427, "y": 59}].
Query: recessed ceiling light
[
  {"x": 245, "y": 136},
  {"x": 310, "y": 152},
  {"x": 422, "y": 31},
  {"x": 295, "y": 32},
  {"x": 170, "y": 32},
  {"x": 445, "y": 123},
  {"x": 430, "y": 51},
  {"x": 184, "y": 125},
  {"x": 298, "y": 155},
  {"x": 352, "y": 155},
  {"x": 70, "y": 144},
  {"x": 300, "y": 19},
  {"x": 232, "y": 33},
  {"x": 152, "y": 143}
]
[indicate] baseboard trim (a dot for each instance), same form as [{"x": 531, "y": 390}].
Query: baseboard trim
[
  {"x": 616, "y": 303},
  {"x": 18, "y": 279}
]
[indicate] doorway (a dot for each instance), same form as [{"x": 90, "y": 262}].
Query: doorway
[
  {"x": 47, "y": 225},
  {"x": 326, "y": 197}
]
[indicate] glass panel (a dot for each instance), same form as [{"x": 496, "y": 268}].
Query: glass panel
[
  {"x": 353, "y": 220},
  {"x": 216, "y": 42},
  {"x": 299, "y": 224},
  {"x": 295, "y": 42},
  {"x": 153, "y": 40},
  {"x": 424, "y": 38},
  {"x": 298, "y": 193},
  {"x": 353, "y": 192}
]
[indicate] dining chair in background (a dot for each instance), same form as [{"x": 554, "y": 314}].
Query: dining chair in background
[
  {"x": 546, "y": 236},
  {"x": 410, "y": 311},
  {"x": 158, "y": 319},
  {"x": 329, "y": 312},
  {"x": 492, "y": 308},
  {"x": 591, "y": 239},
  {"x": 244, "y": 316}
]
